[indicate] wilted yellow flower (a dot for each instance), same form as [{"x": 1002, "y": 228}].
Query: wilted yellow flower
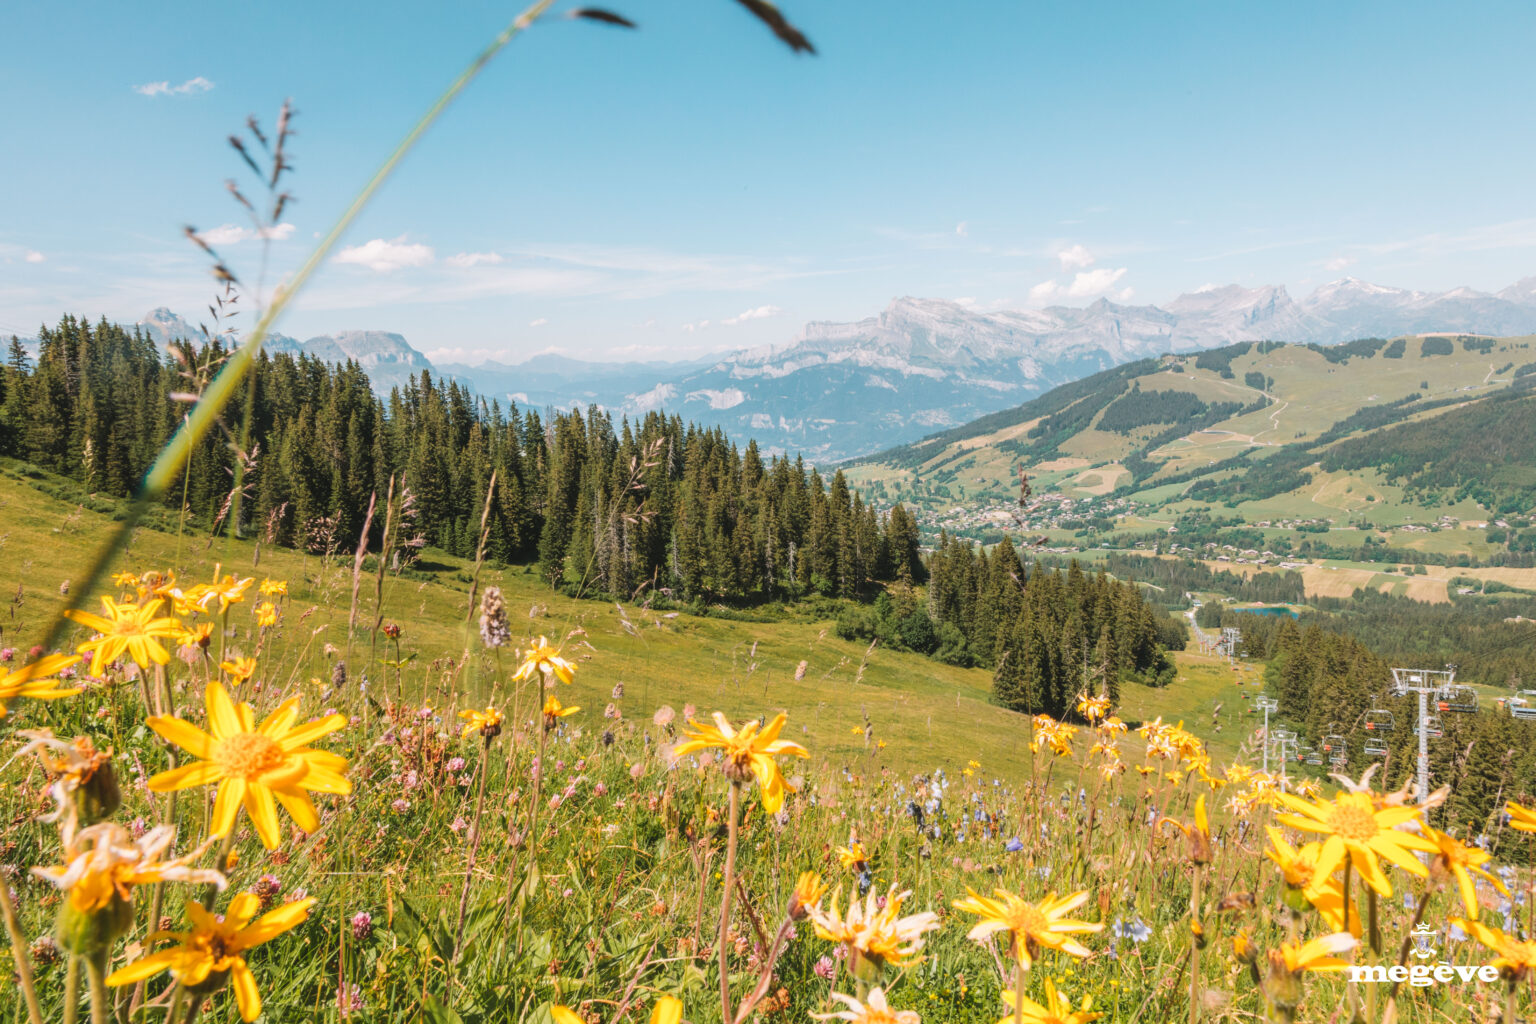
[
  {"x": 1356, "y": 829},
  {"x": 105, "y": 862},
  {"x": 542, "y": 658},
  {"x": 84, "y": 785},
  {"x": 38, "y": 681},
  {"x": 253, "y": 765},
  {"x": 487, "y": 723},
  {"x": 128, "y": 628},
  {"x": 125, "y": 580},
  {"x": 1031, "y": 926},
  {"x": 880, "y": 937},
  {"x": 1092, "y": 708},
  {"x": 226, "y": 590},
  {"x": 748, "y": 753},
  {"x": 875, "y": 1011},
  {"x": 211, "y": 950}
]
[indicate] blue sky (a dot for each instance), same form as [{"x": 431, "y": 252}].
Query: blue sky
[{"x": 695, "y": 186}]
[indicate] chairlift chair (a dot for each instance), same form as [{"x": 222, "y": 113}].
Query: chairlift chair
[
  {"x": 1315, "y": 757},
  {"x": 1523, "y": 705},
  {"x": 1431, "y": 727},
  {"x": 1379, "y": 720},
  {"x": 1460, "y": 699}
]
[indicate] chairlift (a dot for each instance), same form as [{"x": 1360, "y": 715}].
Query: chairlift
[
  {"x": 1523, "y": 704},
  {"x": 1431, "y": 728},
  {"x": 1460, "y": 699},
  {"x": 1375, "y": 747},
  {"x": 1379, "y": 720},
  {"x": 1314, "y": 757}
]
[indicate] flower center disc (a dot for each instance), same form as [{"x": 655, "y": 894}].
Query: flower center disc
[
  {"x": 249, "y": 754},
  {"x": 1354, "y": 823}
]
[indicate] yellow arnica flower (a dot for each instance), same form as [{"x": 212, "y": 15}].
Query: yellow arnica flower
[
  {"x": 253, "y": 764},
  {"x": 487, "y": 723},
  {"x": 852, "y": 856},
  {"x": 126, "y": 628},
  {"x": 875, "y": 1011},
  {"x": 1515, "y": 959},
  {"x": 747, "y": 753},
  {"x": 668, "y": 1010},
  {"x": 240, "y": 669},
  {"x": 1461, "y": 861},
  {"x": 1521, "y": 819},
  {"x": 1031, "y": 926},
  {"x": 1320, "y": 954},
  {"x": 809, "y": 889},
  {"x": 38, "y": 680},
  {"x": 554, "y": 711},
  {"x": 1358, "y": 830},
  {"x": 196, "y": 636},
  {"x": 869, "y": 932},
  {"x": 542, "y": 658},
  {"x": 1057, "y": 1009},
  {"x": 125, "y": 580},
  {"x": 227, "y": 591},
  {"x": 105, "y": 861},
  {"x": 273, "y": 588},
  {"x": 1197, "y": 834},
  {"x": 212, "y": 949},
  {"x": 266, "y": 614},
  {"x": 1092, "y": 708}
]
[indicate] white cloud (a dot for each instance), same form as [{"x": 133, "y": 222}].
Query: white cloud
[
  {"x": 1094, "y": 282},
  {"x": 1085, "y": 284},
  {"x": 1125, "y": 295},
  {"x": 758, "y": 313},
  {"x": 960, "y": 229},
  {"x": 540, "y": 322},
  {"x": 230, "y": 234},
  {"x": 1075, "y": 258},
  {"x": 470, "y": 259},
  {"x": 191, "y": 85},
  {"x": 33, "y": 256},
  {"x": 700, "y": 326},
  {"x": 966, "y": 300},
  {"x": 1045, "y": 291},
  {"x": 1339, "y": 263},
  {"x": 385, "y": 256}
]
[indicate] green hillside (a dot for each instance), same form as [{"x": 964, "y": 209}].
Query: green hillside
[{"x": 1419, "y": 444}]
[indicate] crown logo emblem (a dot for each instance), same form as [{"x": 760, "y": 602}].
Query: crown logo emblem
[{"x": 1423, "y": 941}]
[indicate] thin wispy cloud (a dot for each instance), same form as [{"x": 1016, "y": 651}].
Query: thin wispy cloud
[
  {"x": 387, "y": 255},
  {"x": 190, "y": 87},
  {"x": 33, "y": 256},
  {"x": 474, "y": 259},
  {"x": 540, "y": 322},
  {"x": 233, "y": 234}
]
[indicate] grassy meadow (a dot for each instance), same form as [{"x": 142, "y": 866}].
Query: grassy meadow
[{"x": 457, "y": 881}]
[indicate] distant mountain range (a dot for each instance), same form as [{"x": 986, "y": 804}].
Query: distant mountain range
[{"x": 839, "y": 390}]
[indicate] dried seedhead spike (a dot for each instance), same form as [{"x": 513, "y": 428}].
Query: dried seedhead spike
[{"x": 494, "y": 630}]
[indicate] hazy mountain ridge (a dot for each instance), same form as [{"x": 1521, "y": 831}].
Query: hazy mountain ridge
[{"x": 838, "y": 390}]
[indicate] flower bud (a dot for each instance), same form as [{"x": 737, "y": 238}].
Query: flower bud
[{"x": 93, "y": 931}]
